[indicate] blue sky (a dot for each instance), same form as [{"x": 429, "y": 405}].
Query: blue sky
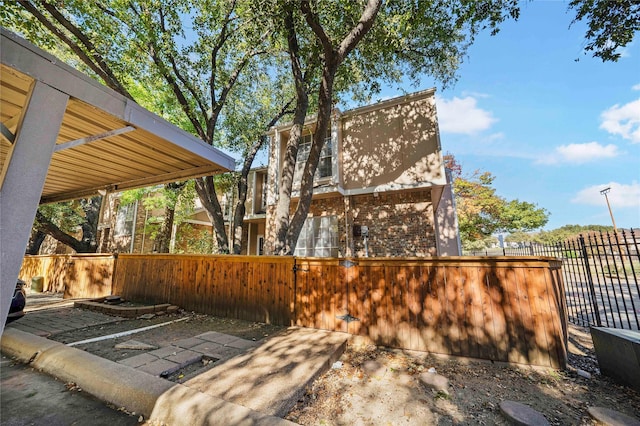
[{"x": 553, "y": 130}]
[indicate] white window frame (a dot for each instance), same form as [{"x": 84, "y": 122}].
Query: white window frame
[
  {"x": 303, "y": 154},
  {"x": 125, "y": 220},
  {"x": 319, "y": 237}
]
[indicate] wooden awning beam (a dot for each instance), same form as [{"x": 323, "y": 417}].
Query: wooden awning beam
[{"x": 93, "y": 138}]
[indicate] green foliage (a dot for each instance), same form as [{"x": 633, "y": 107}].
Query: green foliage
[
  {"x": 612, "y": 24},
  {"x": 194, "y": 240},
  {"x": 67, "y": 215},
  {"x": 479, "y": 244},
  {"x": 481, "y": 212},
  {"x": 564, "y": 233},
  {"x": 522, "y": 216}
]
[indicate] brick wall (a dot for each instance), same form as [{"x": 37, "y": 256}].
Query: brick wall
[{"x": 400, "y": 223}]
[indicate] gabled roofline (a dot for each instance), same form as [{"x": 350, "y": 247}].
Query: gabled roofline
[{"x": 398, "y": 100}]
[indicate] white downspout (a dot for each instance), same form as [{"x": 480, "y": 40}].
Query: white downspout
[
  {"x": 172, "y": 242},
  {"x": 133, "y": 229}
]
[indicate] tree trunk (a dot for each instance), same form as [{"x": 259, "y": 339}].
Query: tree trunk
[
  {"x": 162, "y": 243},
  {"x": 163, "y": 238},
  {"x": 333, "y": 57},
  {"x": 207, "y": 192},
  {"x": 306, "y": 186},
  {"x": 88, "y": 243},
  {"x": 91, "y": 208},
  {"x": 283, "y": 207},
  {"x": 240, "y": 210},
  {"x": 35, "y": 241}
]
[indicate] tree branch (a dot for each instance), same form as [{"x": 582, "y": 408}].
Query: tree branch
[
  {"x": 96, "y": 64},
  {"x": 175, "y": 87},
  {"x": 363, "y": 26},
  {"x": 314, "y": 22},
  {"x": 50, "y": 228}
]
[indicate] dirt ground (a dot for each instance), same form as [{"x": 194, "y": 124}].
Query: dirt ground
[
  {"x": 380, "y": 386},
  {"x": 387, "y": 391}
]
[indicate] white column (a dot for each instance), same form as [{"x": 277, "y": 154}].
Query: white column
[{"x": 23, "y": 176}]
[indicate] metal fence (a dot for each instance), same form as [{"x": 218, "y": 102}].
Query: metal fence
[{"x": 601, "y": 276}]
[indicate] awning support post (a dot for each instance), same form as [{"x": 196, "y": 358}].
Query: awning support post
[{"x": 22, "y": 180}]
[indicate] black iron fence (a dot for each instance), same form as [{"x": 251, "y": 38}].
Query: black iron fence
[{"x": 601, "y": 276}]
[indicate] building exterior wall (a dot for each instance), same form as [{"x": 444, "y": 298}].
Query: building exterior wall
[
  {"x": 392, "y": 144},
  {"x": 399, "y": 224},
  {"x": 388, "y": 176}
]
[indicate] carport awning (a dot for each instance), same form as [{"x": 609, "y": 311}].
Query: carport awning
[{"x": 105, "y": 141}]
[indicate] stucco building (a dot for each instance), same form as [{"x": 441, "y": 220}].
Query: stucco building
[{"x": 381, "y": 189}]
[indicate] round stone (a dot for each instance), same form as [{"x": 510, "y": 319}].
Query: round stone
[
  {"x": 522, "y": 415},
  {"x": 435, "y": 381},
  {"x": 371, "y": 367},
  {"x": 612, "y": 418}
]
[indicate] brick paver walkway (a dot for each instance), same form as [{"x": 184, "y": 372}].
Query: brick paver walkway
[
  {"x": 211, "y": 345},
  {"x": 46, "y": 323}
]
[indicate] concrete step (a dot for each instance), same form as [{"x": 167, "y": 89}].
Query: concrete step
[{"x": 273, "y": 376}]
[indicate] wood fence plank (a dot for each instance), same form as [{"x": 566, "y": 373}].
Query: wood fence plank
[
  {"x": 553, "y": 303},
  {"x": 432, "y": 330},
  {"x": 492, "y": 318},
  {"x": 455, "y": 316},
  {"x": 401, "y": 307},
  {"x": 535, "y": 287},
  {"x": 519, "y": 351},
  {"x": 552, "y": 328},
  {"x": 415, "y": 299},
  {"x": 302, "y": 296},
  {"x": 479, "y": 329}
]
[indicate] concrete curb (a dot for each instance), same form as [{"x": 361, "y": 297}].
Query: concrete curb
[{"x": 127, "y": 387}]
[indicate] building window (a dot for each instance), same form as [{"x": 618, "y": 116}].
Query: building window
[
  {"x": 124, "y": 220},
  {"x": 225, "y": 206},
  {"x": 325, "y": 168},
  {"x": 260, "y": 250},
  {"x": 319, "y": 237},
  {"x": 263, "y": 201}
]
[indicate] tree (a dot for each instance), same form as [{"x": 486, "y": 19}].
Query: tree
[
  {"x": 200, "y": 52},
  {"x": 612, "y": 24},
  {"x": 481, "y": 212},
  {"x": 564, "y": 233},
  {"x": 522, "y": 216},
  {"x": 358, "y": 46},
  {"x": 36, "y": 238},
  {"x": 62, "y": 219}
]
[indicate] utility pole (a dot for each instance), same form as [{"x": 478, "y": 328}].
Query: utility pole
[
  {"x": 605, "y": 192},
  {"x": 615, "y": 230}
]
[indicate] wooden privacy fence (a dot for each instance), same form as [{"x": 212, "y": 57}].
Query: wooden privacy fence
[
  {"x": 505, "y": 309},
  {"x": 78, "y": 275},
  {"x": 508, "y": 309},
  {"x": 253, "y": 288}
]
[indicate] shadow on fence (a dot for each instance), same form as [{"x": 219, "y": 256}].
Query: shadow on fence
[
  {"x": 509, "y": 309},
  {"x": 601, "y": 276}
]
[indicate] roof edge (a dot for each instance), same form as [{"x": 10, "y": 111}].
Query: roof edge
[{"x": 40, "y": 65}]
